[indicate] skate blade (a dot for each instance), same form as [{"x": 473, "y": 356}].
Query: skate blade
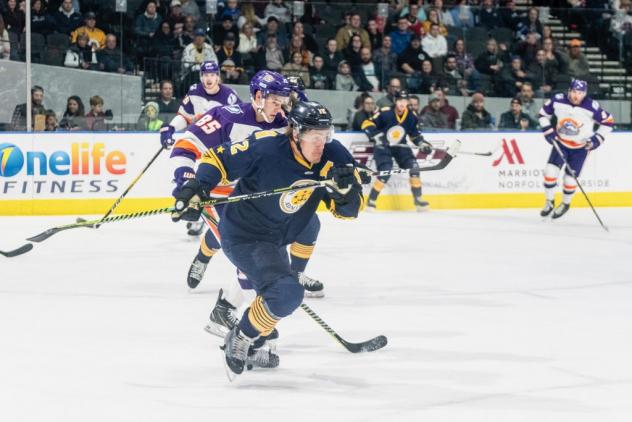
[
  {"x": 229, "y": 373},
  {"x": 370, "y": 209},
  {"x": 216, "y": 329},
  {"x": 422, "y": 208},
  {"x": 314, "y": 295}
]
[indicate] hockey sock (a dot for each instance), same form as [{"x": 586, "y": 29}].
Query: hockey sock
[
  {"x": 208, "y": 247},
  {"x": 300, "y": 256},
  {"x": 569, "y": 189},
  {"x": 415, "y": 186},
  {"x": 258, "y": 320},
  {"x": 550, "y": 181},
  {"x": 375, "y": 191}
]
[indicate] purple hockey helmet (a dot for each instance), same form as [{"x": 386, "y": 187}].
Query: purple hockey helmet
[
  {"x": 269, "y": 82},
  {"x": 209, "y": 67},
  {"x": 579, "y": 85}
]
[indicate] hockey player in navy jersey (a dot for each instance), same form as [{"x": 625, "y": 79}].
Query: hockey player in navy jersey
[
  {"x": 201, "y": 97},
  {"x": 388, "y": 129},
  {"x": 575, "y": 116},
  {"x": 255, "y": 233}
]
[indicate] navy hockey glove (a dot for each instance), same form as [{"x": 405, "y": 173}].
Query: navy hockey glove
[
  {"x": 549, "y": 134},
  {"x": 186, "y": 207},
  {"x": 424, "y": 146},
  {"x": 166, "y": 136},
  {"x": 594, "y": 142},
  {"x": 342, "y": 180}
]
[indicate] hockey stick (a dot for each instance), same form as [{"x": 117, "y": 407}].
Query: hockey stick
[
  {"x": 19, "y": 251},
  {"x": 480, "y": 154},
  {"x": 571, "y": 171},
  {"x": 372, "y": 345},
  {"x": 120, "y": 198}
]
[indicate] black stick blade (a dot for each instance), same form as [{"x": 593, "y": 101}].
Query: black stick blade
[
  {"x": 366, "y": 346},
  {"x": 19, "y": 251},
  {"x": 45, "y": 235}
]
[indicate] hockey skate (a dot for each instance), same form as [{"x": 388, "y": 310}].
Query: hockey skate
[
  {"x": 313, "y": 287},
  {"x": 261, "y": 358},
  {"x": 195, "y": 228},
  {"x": 236, "y": 347},
  {"x": 196, "y": 272},
  {"x": 223, "y": 317},
  {"x": 421, "y": 204},
  {"x": 370, "y": 206},
  {"x": 549, "y": 206},
  {"x": 560, "y": 210}
]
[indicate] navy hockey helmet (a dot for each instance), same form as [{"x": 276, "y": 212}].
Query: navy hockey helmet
[{"x": 307, "y": 115}]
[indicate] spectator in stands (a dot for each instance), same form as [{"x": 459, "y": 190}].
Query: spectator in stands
[
  {"x": 96, "y": 117},
  {"x": 18, "y": 120},
  {"x": 489, "y": 62},
  {"x": 529, "y": 106},
  {"x": 148, "y": 23},
  {"x": 512, "y": 77},
  {"x": 401, "y": 37},
  {"x": 445, "y": 17},
  {"x": 298, "y": 46},
  {"x": 332, "y": 58},
  {"x": 530, "y": 24},
  {"x": 577, "y": 63},
  {"x": 543, "y": 74},
  {"x": 5, "y": 42},
  {"x": 465, "y": 65},
  {"x": 430, "y": 80},
  {"x": 435, "y": 44},
  {"x": 367, "y": 74},
  {"x": 344, "y": 34},
  {"x": 197, "y": 52},
  {"x": 475, "y": 116},
  {"x": 231, "y": 9},
  {"x": 14, "y": 18},
  {"x": 462, "y": 16},
  {"x": 409, "y": 62},
  {"x": 414, "y": 8},
  {"x": 175, "y": 14},
  {"x": 432, "y": 117},
  {"x": 446, "y": 108},
  {"x": 74, "y": 117},
  {"x": 295, "y": 67},
  {"x": 273, "y": 54},
  {"x": 66, "y": 18},
  {"x": 454, "y": 80},
  {"x": 318, "y": 78},
  {"x": 50, "y": 123},
  {"x": 248, "y": 46},
  {"x": 81, "y": 55},
  {"x": 167, "y": 103},
  {"x": 230, "y": 73},
  {"x": 554, "y": 56},
  {"x": 375, "y": 36},
  {"x": 272, "y": 28},
  {"x": 221, "y": 30},
  {"x": 248, "y": 15},
  {"x": 110, "y": 57},
  {"x": 414, "y": 104},
  {"x": 416, "y": 26},
  {"x": 511, "y": 16},
  {"x": 394, "y": 85},
  {"x": 228, "y": 51},
  {"x": 190, "y": 8},
  {"x": 489, "y": 16},
  {"x": 97, "y": 36},
  {"x": 164, "y": 44},
  {"x": 188, "y": 31},
  {"x": 515, "y": 118},
  {"x": 528, "y": 48},
  {"x": 352, "y": 52},
  {"x": 41, "y": 22},
  {"x": 149, "y": 120},
  {"x": 298, "y": 30},
  {"x": 434, "y": 18},
  {"x": 384, "y": 58},
  {"x": 279, "y": 10},
  {"x": 365, "y": 112},
  {"x": 344, "y": 80},
  {"x": 621, "y": 22}
]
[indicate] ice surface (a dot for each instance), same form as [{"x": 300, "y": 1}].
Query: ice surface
[{"x": 490, "y": 315}]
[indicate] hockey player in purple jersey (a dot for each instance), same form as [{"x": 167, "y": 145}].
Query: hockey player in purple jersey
[
  {"x": 576, "y": 115},
  {"x": 202, "y": 97}
]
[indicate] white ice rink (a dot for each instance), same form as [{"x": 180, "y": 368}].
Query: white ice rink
[{"x": 490, "y": 316}]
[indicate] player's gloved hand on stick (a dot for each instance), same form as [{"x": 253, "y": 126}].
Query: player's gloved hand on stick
[
  {"x": 378, "y": 139},
  {"x": 549, "y": 134},
  {"x": 424, "y": 146},
  {"x": 181, "y": 176},
  {"x": 342, "y": 180},
  {"x": 594, "y": 142},
  {"x": 187, "y": 197},
  {"x": 166, "y": 136}
]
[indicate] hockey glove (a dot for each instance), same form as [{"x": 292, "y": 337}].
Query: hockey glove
[
  {"x": 186, "y": 207},
  {"x": 424, "y": 146},
  {"x": 594, "y": 142},
  {"x": 378, "y": 139},
  {"x": 341, "y": 180},
  {"x": 181, "y": 176},
  {"x": 166, "y": 136},
  {"x": 549, "y": 134}
]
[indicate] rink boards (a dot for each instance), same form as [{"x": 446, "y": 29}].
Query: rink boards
[{"x": 83, "y": 173}]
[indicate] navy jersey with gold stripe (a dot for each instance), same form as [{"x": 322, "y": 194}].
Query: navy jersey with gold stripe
[
  {"x": 265, "y": 161},
  {"x": 394, "y": 127}
]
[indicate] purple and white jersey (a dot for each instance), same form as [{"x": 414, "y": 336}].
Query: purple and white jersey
[
  {"x": 198, "y": 101},
  {"x": 575, "y": 124}
]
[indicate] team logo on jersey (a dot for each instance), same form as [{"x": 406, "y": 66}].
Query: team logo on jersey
[
  {"x": 395, "y": 134},
  {"x": 233, "y": 109},
  {"x": 568, "y": 127},
  {"x": 291, "y": 202},
  {"x": 11, "y": 160},
  {"x": 232, "y": 99}
]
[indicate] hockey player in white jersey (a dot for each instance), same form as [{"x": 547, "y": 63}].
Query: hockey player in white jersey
[
  {"x": 202, "y": 97},
  {"x": 575, "y": 116}
]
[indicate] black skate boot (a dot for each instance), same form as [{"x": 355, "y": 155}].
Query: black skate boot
[
  {"x": 549, "y": 206},
  {"x": 223, "y": 317},
  {"x": 421, "y": 204},
  {"x": 370, "y": 205},
  {"x": 560, "y": 210},
  {"x": 236, "y": 346},
  {"x": 313, "y": 287},
  {"x": 195, "y": 228},
  {"x": 268, "y": 341},
  {"x": 196, "y": 272}
]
